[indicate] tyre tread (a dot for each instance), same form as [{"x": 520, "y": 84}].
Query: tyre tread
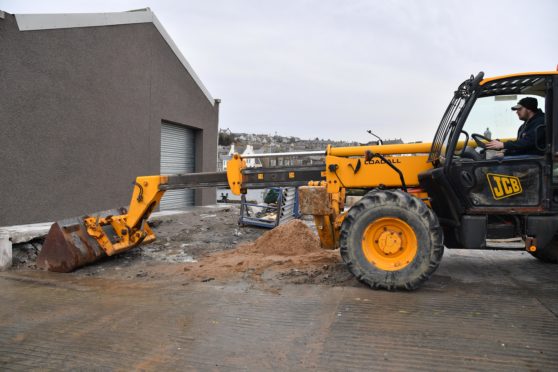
[{"x": 398, "y": 198}]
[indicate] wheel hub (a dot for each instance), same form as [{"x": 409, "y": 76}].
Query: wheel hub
[{"x": 389, "y": 243}]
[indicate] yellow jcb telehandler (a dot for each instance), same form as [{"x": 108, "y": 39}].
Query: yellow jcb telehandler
[{"x": 417, "y": 198}]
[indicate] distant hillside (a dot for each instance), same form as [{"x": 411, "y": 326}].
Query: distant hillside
[{"x": 277, "y": 143}]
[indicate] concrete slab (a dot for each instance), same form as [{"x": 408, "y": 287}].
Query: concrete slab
[
  {"x": 492, "y": 311},
  {"x": 25, "y": 233},
  {"x": 5, "y": 250}
]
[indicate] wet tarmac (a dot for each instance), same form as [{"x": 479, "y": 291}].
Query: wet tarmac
[{"x": 480, "y": 311}]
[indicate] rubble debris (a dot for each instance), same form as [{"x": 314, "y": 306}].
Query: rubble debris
[
  {"x": 25, "y": 254},
  {"x": 191, "y": 248}
]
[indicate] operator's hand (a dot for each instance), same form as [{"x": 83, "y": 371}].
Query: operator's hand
[{"x": 495, "y": 145}]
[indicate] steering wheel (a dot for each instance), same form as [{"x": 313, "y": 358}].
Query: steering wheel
[{"x": 479, "y": 138}]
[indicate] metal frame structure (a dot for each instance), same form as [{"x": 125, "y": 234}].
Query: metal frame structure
[{"x": 286, "y": 209}]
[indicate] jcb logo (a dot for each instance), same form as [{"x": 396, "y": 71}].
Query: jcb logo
[{"x": 503, "y": 186}]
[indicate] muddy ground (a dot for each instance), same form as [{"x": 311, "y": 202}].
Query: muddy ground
[{"x": 207, "y": 244}]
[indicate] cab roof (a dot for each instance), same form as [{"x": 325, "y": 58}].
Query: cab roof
[
  {"x": 520, "y": 83},
  {"x": 517, "y": 75}
]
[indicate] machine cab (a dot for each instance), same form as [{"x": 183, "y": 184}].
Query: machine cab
[{"x": 482, "y": 194}]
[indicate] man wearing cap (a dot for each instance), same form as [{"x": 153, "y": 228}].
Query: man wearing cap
[{"x": 527, "y": 136}]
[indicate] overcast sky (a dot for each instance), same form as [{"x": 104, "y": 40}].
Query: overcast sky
[{"x": 334, "y": 69}]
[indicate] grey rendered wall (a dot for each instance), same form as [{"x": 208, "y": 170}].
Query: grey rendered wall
[{"x": 80, "y": 117}]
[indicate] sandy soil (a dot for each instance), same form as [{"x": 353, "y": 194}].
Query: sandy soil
[{"x": 206, "y": 244}]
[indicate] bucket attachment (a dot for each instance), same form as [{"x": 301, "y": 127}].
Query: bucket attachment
[
  {"x": 76, "y": 242},
  {"x": 67, "y": 247}
]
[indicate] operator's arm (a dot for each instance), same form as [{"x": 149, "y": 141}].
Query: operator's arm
[
  {"x": 495, "y": 145},
  {"x": 527, "y": 142}
]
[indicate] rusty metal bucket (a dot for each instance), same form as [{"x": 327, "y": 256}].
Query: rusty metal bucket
[{"x": 68, "y": 246}]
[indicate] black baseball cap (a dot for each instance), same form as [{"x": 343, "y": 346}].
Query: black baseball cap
[{"x": 529, "y": 103}]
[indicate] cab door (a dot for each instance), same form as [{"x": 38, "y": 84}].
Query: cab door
[{"x": 501, "y": 185}]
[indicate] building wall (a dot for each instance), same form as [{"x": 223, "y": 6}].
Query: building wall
[{"x": 80, "y": 117}]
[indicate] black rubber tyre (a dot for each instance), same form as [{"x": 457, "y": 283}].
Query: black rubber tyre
[
  {"x": 399, "y": 206},
  {"x": 549, "y": 253}
]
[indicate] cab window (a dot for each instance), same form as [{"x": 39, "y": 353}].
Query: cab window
[{"x": 493, "y": 117}]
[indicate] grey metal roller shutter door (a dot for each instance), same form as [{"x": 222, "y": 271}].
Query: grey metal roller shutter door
[{"x": 177, "y": 156}]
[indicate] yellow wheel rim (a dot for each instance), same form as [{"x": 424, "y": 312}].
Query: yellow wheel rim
[{"x": 390, "y": 244}]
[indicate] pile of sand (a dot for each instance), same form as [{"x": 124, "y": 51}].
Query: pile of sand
[
  {"x": 290, "y": 246},
  {"x": 292, "y": 239}
]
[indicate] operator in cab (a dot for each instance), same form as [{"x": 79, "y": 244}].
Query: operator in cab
[{"x": 528, "y": 136}]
